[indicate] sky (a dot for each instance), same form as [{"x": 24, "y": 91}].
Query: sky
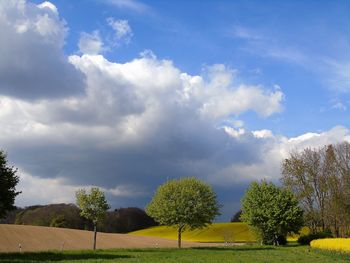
[{"x": 127, "y": 94}]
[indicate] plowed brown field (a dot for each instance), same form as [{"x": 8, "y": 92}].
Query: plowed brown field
[{"x": 37, "y": 238}]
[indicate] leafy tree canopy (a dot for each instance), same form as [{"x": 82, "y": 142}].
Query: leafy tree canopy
[
  {"x": 272, "y": 212},
  {"x": 184, "y": 203},
  {"x": 8, "y": 182},
  {"x": 93, "y": 206}
]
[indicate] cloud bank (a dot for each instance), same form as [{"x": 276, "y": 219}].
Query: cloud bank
[{"x": 81, "y": 120}]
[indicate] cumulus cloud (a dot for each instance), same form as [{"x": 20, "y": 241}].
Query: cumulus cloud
[
  {"x": 137, "y": 124},
  {"x": 90, "y": 43},
  {"x": 275, "y": 148},
  {"x": 32, "y": 62}
]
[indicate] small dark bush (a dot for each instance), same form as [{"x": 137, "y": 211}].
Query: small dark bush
[
  {"x": 237, "y": 216},
  {"x": 282, "y": 240},
  {"x": 306, "y": 239},
  {"x": 279, "y": 240}
]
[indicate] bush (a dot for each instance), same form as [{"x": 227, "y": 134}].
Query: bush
[
  {"x": 306, "y": 239},
  {"x": 279, "y": 240},
  {"x": 59, "y": 221},
  {"x": 282, "y": 240}
]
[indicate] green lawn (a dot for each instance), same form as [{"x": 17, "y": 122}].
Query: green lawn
[{"x": 242, "y": 254}]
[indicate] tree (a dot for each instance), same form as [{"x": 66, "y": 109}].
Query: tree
[
  {"x": 93, "y": 206},
  {"x": 45, "y": 215},
  {"x": 320, "y": 179},
  {"x": 124, "y": 220},
  {"x": 302, "y": 174},
  {"x": 8, "y": 182},
  {"x": 271, "y": 211},
  {"x": 237, "y": 216},
  {"x": 184, "y": 203}
]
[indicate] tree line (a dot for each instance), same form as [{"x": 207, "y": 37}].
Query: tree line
[
  {"x": 320, "y": 180},
  {"x": 121, "y": 220}
]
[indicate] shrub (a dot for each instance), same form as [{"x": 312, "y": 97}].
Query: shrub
[
  {"x": 282, "y": 240},
  {"x": 58, "y": 221},
  {"x": 306, "y": 239}
]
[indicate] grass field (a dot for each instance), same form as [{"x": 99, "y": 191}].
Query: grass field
[
  {"x": 242, "y": 254},
  {"x": 218, "y": 232}
]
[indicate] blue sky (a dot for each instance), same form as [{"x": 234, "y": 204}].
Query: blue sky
[{"x": 125, "y": 94}]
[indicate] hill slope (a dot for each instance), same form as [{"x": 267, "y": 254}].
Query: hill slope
[
  {"x": 218, "y": 232},
  {"x": 36, "y": 238}
]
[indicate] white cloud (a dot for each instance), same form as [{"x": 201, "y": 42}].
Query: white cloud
[
  {"x": 50, "y": 6},
  {"x": 36, "y": 190},
  {"x": 339, "y": 106},
  {"x": 245, "y": 33},
  {"x": 90, "y": 43},
  {"x": 93, "y": 43},
  {"x": 132, "y": 5},
  {"x": 121, "y": 28},
  {"x": 44, "y": 191},
  {"x": 222, "y": 102},
  {"x": 263, "y": 133},
  {"x": 128, "y": 111},
  {"x": 273, "y": 150},
  {"x": 339, "y": 79},
  {"x": 262, "y": 44}
]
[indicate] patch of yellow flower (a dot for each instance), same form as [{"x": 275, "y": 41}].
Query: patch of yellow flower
[{"x": 332, "y": 244}]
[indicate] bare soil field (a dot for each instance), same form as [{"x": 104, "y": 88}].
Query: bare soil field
[{"x": 37, "y": 238}]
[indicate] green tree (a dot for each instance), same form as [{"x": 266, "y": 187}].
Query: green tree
[
  {"x": 8, "y": 182},
  {"x": 271, "y": 211},
  {"x": 184, "y": 203},
  {"x": 237, "y": 216},
  {"x": 93, "y": 206}
]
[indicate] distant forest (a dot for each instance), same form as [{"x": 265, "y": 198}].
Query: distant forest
[{"x": 122, "y": 220}]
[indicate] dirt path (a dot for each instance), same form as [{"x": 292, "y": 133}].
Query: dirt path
[{"x": 37, "y": 238}]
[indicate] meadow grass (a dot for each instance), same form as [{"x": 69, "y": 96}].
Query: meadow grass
[
  {"x": 246, "y": 254},
  {"x": 217, "y": 232}
]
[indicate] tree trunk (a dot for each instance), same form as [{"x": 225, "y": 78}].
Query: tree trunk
[
  {"x": 179, "y": 236},
  {"x": 95, "y": 233},
  {"x": 336, "y": 228}
]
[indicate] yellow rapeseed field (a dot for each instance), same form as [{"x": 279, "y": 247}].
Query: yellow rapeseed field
[
  {"x": 217, "y": 232},
  {"x": 332, "y": 244}
]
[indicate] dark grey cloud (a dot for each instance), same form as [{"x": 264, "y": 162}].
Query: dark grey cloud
[{"x": 32, "y": 64}]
